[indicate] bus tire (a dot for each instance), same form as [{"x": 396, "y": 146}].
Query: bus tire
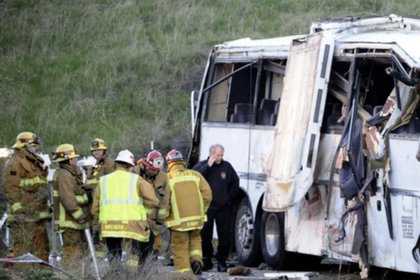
[
  {"x": 272, "y": 239},
  {"x": 247, "y": 243}
]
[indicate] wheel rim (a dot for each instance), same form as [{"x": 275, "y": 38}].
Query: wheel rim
[
  {"x": 272, "y": 234},
  {"x": 245, "y": 230}
]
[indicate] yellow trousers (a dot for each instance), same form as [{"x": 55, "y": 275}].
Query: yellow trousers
[
  {"x": 74, "y": 250},
  {"x": 30, "y": 238},
  {"x": 186, "y": 248}
]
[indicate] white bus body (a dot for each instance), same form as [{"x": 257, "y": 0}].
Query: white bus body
[{"x": 274, "y": 104}]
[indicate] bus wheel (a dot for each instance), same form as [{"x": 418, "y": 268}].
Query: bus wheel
[
  {"x": 247, "y": 243},
  {"x": 272, "y": 239}
]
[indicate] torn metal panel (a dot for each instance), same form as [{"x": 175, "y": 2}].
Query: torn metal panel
[
  {"x": 308, "y": 215},
  {"x": 296, "y": 139}
]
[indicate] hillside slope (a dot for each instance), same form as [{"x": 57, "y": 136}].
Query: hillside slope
[{"x": 123, "y": 70}]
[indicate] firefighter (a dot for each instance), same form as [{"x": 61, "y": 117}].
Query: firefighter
[
  {"x": 190, "y": 197},
  {"x": 150, "y": 168},
  {"x": 26, "y": 189},
  {"x": 104, "y": 165},
  {"x": 71, "y": 210},
  {"x": 120, "y": 204}
]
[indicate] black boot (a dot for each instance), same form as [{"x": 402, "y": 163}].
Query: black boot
[
  {"x": 196, "y": 267},
  {"x": 208, "y": 265},
  {"x": 221, "y": 267}
]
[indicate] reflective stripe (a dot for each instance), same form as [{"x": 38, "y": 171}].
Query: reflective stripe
[
  {"x": 125, "y": 234},
  {"x": 100, "y": 254},
  {"x": 177, "y": 220},
  {"x": 44, "y": 215},
  {"x": 183, "y": 270},
  {"x": 196, "y": 252},
  {"x": 120, "y": 205},
  {"x": 82, "y": 199},
  {"x": 16, "y": 206},
  {"x": 131, "y": 262},
  {"x": 162, "y": 213},
  {"x": 31, "y": 218},
  {"x": 69, "y": 224},
  {"x": 77, "y": 214},
  {"x": 148, "y": 210},
  {"x": 128, "y": 200},
  {"x": 92, "y": 181},
  {"x": 32, "y": 181},
  {"x": 62, "y": 222},
  {"x": 184, "y": 220}
]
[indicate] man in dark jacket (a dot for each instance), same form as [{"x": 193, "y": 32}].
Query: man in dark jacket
[{"x": 224, "y": 183}]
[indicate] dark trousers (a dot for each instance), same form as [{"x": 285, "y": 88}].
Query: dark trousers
[
  {"x": 114, "y": 248},
  {"x": 222, "y": 217},
  {"x": 144, "y": 249}
]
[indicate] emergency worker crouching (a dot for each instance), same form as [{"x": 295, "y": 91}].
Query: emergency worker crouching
[
  {"x": 26, "y": 190},
  {"x": 190, "y": 197},
  {"x": 150, "y": 168},
  {"x": 120, "y": 203},
  {"x": 71, "y": 211}
]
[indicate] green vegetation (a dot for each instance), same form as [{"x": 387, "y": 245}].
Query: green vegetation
[{"x": 123, "y": 70}]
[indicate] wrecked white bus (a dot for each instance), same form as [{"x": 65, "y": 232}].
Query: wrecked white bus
[{"x": 323, "y": 130}]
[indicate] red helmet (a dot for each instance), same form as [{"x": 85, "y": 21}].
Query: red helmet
[
  {"x": 173, "y": 156},
  {"x": 154, "y": 161}
]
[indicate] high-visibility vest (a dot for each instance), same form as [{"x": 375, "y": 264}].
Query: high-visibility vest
[
  {"x": 179, "y": 221},
  {"x": 120, "y": 206}
]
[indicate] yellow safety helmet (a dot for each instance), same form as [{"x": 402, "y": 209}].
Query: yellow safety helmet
[
  {"x": 64, "y": 152},
  {"x": 98, "y": 144},
  {"x": 26, "y": 138}
]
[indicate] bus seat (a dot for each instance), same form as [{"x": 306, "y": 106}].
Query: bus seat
[
  {"x": 241, "y": 118},
  {"x": 266, "y": 110},
  {"x": 243, "y": 108}
]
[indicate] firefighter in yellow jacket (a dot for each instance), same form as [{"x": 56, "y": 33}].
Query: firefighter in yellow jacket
[
  {"x": 150, "y": 168},
  {"x": 189, "y": 199},
  {"x": 104, "y": 164},
  {"x": 120, "y": 203},
  {"x": 71, "y": 211},
  {"x": 26, "y": 190}
]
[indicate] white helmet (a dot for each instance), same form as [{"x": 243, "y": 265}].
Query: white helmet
[{"x": 125, "y": 156}]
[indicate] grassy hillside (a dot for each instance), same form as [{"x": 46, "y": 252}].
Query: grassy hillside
[{"x": 123, "y": 70}]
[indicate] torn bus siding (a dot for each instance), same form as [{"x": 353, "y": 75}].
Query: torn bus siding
[
  {"x": 297, "y": 133},
  {"x": 340, "y": 160}
]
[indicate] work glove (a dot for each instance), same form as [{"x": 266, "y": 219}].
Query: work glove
[
  {"x": 45, "y": 171},
  {"x": 85, "y": 218},
  {"x": 157, "y": 226}
]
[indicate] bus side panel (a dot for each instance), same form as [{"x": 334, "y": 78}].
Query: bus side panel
[
  {"x": 407, "y": 231},
  {"x": 405, "y": 168},
  {"x": 247, "y": 148},
  {"x": 305, "y": 223}
]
